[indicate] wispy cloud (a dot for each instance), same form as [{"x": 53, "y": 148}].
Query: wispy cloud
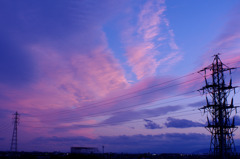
[
  {"x": 66, "y": 62},
  {"x": 55, "y": 58},
  {"x": 146, "y": 41}
]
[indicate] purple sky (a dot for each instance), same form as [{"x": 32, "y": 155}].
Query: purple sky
[{"x": 122, "y": 74}]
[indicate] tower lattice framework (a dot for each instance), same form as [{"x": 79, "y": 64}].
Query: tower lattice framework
[
  {"x": 219, "y": 121},
  {"x": 14, "y": 135}
]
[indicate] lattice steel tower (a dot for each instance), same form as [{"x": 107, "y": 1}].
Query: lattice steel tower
[
  {"x": 14, "y": 135},
  {"x": 221, "y": 125}
]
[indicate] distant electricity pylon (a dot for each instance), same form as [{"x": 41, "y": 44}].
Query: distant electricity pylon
[
  {"x": 221, "y": 125},
  {"x": 14, "y": 135}
]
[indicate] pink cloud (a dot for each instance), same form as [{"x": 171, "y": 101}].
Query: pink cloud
[
  {"x": 75, "y": 69},
  {"x": 70, "y": 76},
  {"x": 146, "y": 39},
  {"x": 142, "y": 62},
  {"x": 66, "y": 118},
  {"x": 63, "y": 86},
  {"x": 82, "y": 78},
  {"x": 149, "y": 20}
]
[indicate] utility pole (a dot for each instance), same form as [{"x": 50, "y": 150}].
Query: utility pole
[
  {"x": 14, "y": 135},
  {"x": 219, "y": 121}
]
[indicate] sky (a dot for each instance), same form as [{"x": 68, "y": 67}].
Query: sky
[{"x": 119, "y": 74}]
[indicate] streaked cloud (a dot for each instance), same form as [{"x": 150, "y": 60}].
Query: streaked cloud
[
  {"x": 150, "y": 42},
  {"x": 65, "y": 68}
]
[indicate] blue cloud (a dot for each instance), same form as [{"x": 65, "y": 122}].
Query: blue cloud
[
  {"x": 182, "y": 123},
  {"x": 151, "y": 125},
  {"x": 117, "y": 118},
  {"x": 164, "y": 143}
]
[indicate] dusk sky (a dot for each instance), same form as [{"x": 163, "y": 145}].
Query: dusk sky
[{"x": 123, "y": 74}]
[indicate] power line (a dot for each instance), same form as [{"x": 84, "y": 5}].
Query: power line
[
  {"x": 131, "y": 106},
  {"x": 93, "y": 105},
  {"x": 118, "y": 122},
  {"x": 108, "y": 124},
  {"x": 126, "y": 107},
  {"x": 92, "y": 115}
]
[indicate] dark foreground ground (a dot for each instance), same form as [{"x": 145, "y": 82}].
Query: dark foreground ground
[{"x": 56, "y": 155}]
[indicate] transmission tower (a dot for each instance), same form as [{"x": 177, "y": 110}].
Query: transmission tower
[
  {"x": 14, "y": 135},
  {"x": 219, "y": 121}
]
